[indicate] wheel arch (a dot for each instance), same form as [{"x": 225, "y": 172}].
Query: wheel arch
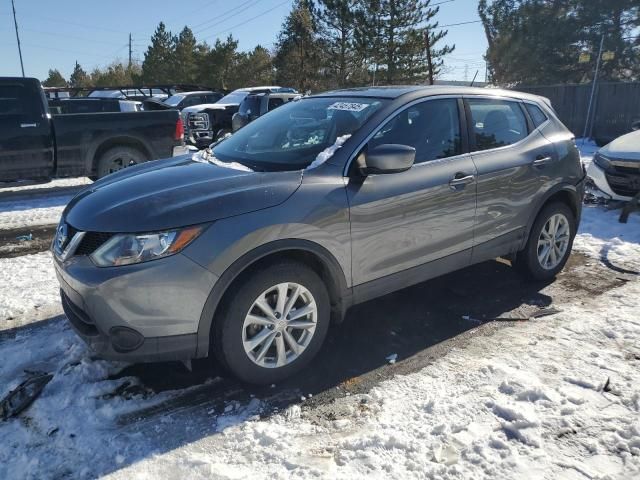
[
  {"x": 100, "y": 148},
  {"x": 306, "y": 252},
  {"x": 565, "y": 193}
]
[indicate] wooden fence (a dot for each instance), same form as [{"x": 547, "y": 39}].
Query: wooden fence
[{"x": 616, "y": 106}]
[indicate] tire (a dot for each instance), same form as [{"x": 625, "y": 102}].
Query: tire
[
  {"x": 233, "y": 331},
  {"x": 528, "y": 260},
  {"x": 117, "y": 158}
]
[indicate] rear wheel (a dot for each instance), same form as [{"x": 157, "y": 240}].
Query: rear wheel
[
  {"x": 274, "y": 323},
  {"x": 550, "y": 242},
  {"x": 118, "y": 158}
]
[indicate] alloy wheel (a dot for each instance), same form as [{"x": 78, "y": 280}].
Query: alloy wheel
[
  {"x": 553, "y": 242},
  {"x": 279, "y": 325}
]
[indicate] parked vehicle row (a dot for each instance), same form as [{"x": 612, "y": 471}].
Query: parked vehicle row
[
  {"x": 208, "y": 122},
  {"x": 248, "y": 250},
  {"x": 37, "y": 145}
]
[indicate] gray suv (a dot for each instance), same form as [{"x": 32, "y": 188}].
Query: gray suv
[{"x": 250, "y": 249}]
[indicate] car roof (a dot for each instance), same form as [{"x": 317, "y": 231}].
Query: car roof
[
  {"x": 198, "y": 92},
  {"x": 396, "y": 91}
]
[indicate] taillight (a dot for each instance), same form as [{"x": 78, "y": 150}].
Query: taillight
[{"x": 179, "y": 134}]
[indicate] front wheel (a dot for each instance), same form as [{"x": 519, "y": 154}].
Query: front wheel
[
  {"x": 550, "y": 242},
  {"x": 274, "y": 323}
]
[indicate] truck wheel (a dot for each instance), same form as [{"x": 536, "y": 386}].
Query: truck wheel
[
  {"x": 118, "y": 158},
  {"x": 274, "y": 323},
  {"x": 549, "y": 244}
]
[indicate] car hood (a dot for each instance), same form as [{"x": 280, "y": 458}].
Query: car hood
[
  {"x": 626, "y": 147},
  {"x": 175, "y": 192},
  {"x": 208, "y": 106}
]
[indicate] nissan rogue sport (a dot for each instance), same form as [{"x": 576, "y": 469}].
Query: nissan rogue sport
[{"x": 248, "y": 250}]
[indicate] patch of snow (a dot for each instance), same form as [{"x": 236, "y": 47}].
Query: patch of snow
[
  {"x": 206, "y": 156},
  {"x": 55, "y": 183},
  {"x": 28, "y": 283},
  {"x": 601, "y": 236},
  {"x": 38, "y": 211},
  {"x": 328, "y": 152}
]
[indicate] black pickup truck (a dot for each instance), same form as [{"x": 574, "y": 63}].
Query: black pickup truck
[{"x": 37, "y": 145}]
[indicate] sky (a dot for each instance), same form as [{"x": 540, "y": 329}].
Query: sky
[{"x": 54, "y": 34}]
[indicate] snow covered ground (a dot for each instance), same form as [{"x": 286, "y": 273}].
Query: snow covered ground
[
  {"x": 32, "y": 212},
  {"x": 56, "y": 183},
  {"x": 552, "y": 398}
]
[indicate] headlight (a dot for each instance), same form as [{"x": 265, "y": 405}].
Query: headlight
[
  {"x": 128, "y": 248},
  {"x": 602, "y": 161}
]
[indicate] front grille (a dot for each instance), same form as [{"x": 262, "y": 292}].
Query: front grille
[
  {"x": 91, "y": 242},
  {"x": 626, "y": 185}
]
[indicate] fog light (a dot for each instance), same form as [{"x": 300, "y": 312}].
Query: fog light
[{"x": 125, "y": 339}]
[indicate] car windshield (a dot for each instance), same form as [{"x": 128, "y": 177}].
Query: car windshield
[
  {"x": 234, "y": 97},
  {"x": 174, "y": 100},
  {"x": 290, "y": 137}
]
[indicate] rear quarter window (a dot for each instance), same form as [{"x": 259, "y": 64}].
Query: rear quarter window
[{"x": 537, "y": 115}]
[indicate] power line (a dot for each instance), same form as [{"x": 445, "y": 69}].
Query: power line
[
  {"x": 219, "y": 18},
  {"x": 461, "y": 23},
  {"x": 250, "y": 19},
  {"x": 83, "y": 25},
  {"x": 58, "y": 34},
  {"x": 43, "y": 47}
]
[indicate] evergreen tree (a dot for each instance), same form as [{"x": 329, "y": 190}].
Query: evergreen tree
[
  {"x": 253, "y": 69},
  {"x": 115, "y": 74},
  {"x": 337, "y": 24},
  {"x": 221, "y": 61},
  {"x": 186, "y": 57},
  {"x": 55, "y": 79},
  {"x": 540, "y": 41},
  {"x": 79, "y": 77},
  {"x": 404, "y": 24},
  {"x": 159, "y": 64},
  {"x": 298, "y": 55}
]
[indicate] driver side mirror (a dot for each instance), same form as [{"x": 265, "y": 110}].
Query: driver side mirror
[{"x": 387, "y": 158}]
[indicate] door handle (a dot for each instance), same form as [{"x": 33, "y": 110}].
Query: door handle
[
  {"x": 28, "y": 125},
  {"x": 541, "y": 161},
  {"x": 460, "y": 181}
]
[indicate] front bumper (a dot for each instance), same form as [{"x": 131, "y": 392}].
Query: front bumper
[
  {"x": 598, "y": 178},
  {"x": 137, "y": 313}
]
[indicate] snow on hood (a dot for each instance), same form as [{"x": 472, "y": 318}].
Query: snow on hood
[
  {"x": 208, "y": 106},
  {"x": 328, "y": 152},
  {"x": 626, "y": 147},
  {"x": 206, "y": 156}
]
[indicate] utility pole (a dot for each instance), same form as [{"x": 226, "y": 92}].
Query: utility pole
[
  {"x": 129, "y": 51},
  {"x": 15, "y": 22},
  {"x": 593, "y": 90},
  {"x": 429, "y": 60}
]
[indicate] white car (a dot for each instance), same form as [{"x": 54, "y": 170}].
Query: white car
[{"x": 614, "y": 173}]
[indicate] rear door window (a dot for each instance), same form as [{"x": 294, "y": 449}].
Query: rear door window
[{"x": 496, "y": 123}]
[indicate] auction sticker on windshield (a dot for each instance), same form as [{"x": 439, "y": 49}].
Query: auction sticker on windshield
[{"x": 349, "y": 107}]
